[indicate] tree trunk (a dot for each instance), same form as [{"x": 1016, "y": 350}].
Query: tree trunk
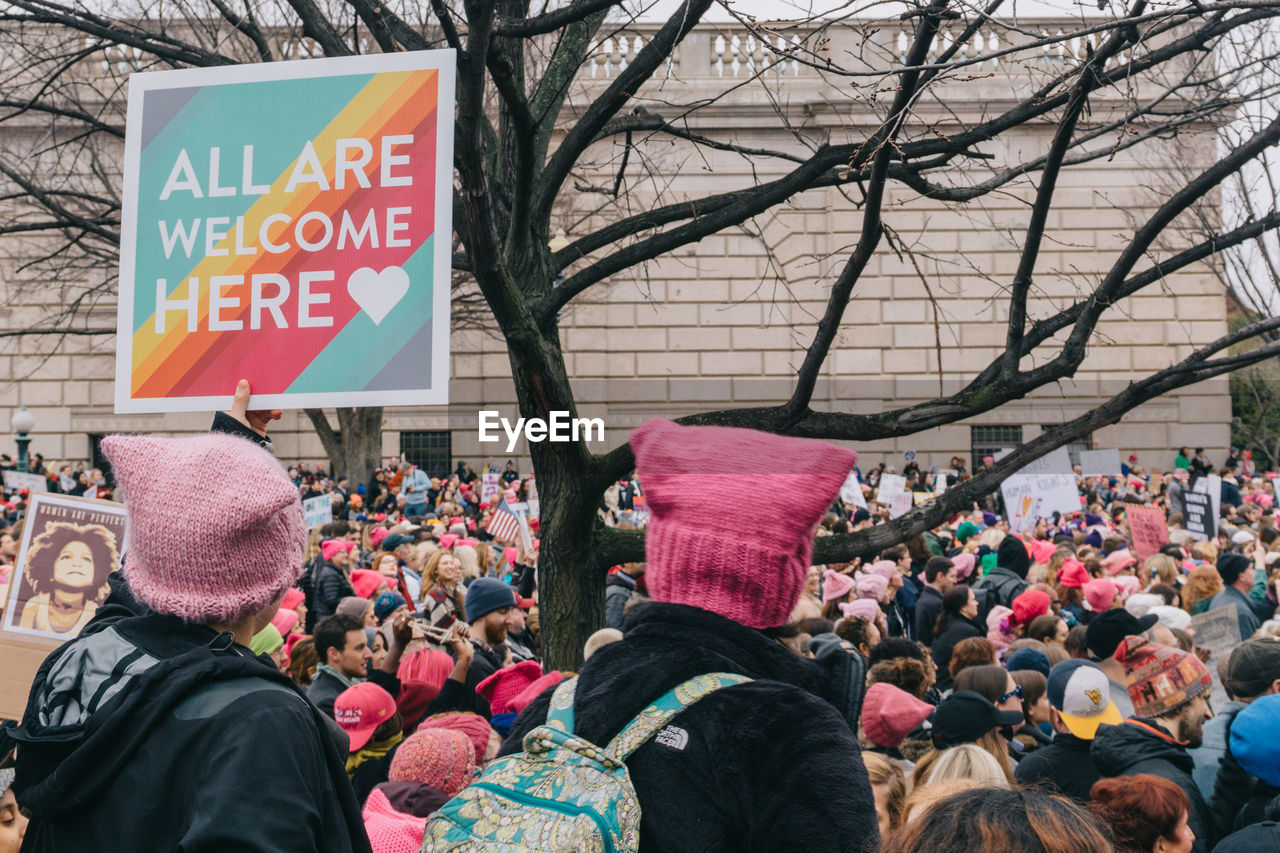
[{"x": 355, "y": 449}]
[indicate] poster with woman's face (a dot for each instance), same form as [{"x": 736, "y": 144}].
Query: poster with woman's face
[{"x": 69, "y": 547}]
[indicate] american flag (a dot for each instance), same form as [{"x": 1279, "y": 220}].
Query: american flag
[{"x": 503, "y": 524}]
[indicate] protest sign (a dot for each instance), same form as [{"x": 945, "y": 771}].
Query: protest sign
[
  {"x": 288, "y": 223},
  {"x": 15, "y": 480},
  {"x": 908, "y": 456},
  {"x": 891, "y": 485},
  {"x": 535, "y": 505},
  {"x": 490, "y": 487},
  {"x": 1020, "y": 503},
  {"x": 940, "y": 484},
  {"x": 901, "y": 505},
  {"x": 1217, "y": 630},
  {"x": 318, "y": 510},
  {"x": 521, "y": 512},
  {"x": 1148, "y": 528},
  {"x": 851, "y": 492},
  {"x": 1049, "y": 480},
  {"x": 1199, "y": 518},
  {"x": 1100, "y": 463}
]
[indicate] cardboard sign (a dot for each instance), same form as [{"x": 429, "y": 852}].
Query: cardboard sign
[
  {"x": 1149, "y": 529},
  {"x": 69, "y": 547},
  {"x": 490, "y": 487},
  {"x": 851, "y": 492},
  {"x": 1100, "y": 463},
  {"x": 1199, "y": 515},
  {"x": 318, "y": 510},
  {"x": 288, "y": 223},
  {"x": 1217, "y": 630},
  {"x": 15, "y": 481}
]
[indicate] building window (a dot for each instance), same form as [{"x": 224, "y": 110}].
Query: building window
[
  {"x": 430, "y": 450},
  {"x": 1073, "y": 449},
  {"x": 988, "y": 440}
]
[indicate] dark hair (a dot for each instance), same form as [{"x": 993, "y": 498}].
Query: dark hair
[
  {"x": 936, "y": 566},
  {"x": 1168, "y": 593},
  {"x": 855, "y": 629},
  {"x": 918, "y": 548},
  {"x": 952, "y": 603},
  {"x": 1076, "y": 645},
  {"x": 57, "y": 535},
  {"x": 895, "y": 553},
  {"x": 971, "y": 652},
  {"x": 1043, "y": 628},
  {"x": 331, "y": 633},
  {"x": 814, "y": 627},
  {"x": 302, "y": 657},
  {"x": 895, "y": 647},
  {"x": 989, "y": 679},
  {"x": 907, "y": 674},
  {"x": 1033, "y": 684},
  {"x": 1140, "y": 809},
  {"x": 989, "y": 820}
]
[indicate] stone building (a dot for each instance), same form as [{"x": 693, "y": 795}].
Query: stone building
[{"x": 725, "y": 323}]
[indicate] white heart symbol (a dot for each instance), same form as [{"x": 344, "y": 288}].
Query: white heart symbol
[{"x": 378, "y": 292}]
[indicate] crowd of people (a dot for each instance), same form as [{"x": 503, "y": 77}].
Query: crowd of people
[{"x": 376, "y": 682}]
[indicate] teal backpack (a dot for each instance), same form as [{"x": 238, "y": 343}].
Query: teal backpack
[{"x": 562, "y": 794}]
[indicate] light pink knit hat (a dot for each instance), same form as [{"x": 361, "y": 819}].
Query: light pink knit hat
[
  {"x": 217, "y": 553},
  {"x": 695, "y": 553},
  {"x": 835, "y": 585},
  {"x": 441, "y": 758}
]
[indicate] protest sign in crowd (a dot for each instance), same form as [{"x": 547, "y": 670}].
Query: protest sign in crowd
[{"x": 1105, "y": 677}]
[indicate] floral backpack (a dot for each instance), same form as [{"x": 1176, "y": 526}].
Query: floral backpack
[{"x": 562, "y": 794}]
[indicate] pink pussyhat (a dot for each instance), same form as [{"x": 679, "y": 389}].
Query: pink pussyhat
[
  {"x": 835, "y": 585},
  {"x": 215, "y": 554},
  {"x": 1099, "y": 595},
  {"x": 872, "y": 586},
  {"x": 883, "y": 568},
  {"x": 695, "y": 552},
  {"x": 863, "y": 608},
  {"x": 964, "y": 565}
]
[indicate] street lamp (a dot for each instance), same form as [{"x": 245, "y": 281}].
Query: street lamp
[{"x": 23, "y": 422}]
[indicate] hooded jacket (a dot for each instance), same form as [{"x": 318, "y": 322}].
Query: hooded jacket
[
  {"x": 1140, "y": 745},
  {"x": 762, "y": 766},
  {"x": 148, "y": 734},
  {"x": 1062, "y": 767}
]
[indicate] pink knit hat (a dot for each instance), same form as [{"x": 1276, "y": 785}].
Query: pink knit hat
[
  {"x": 872, "y": 586},
  {"x": 1042, "y": 550},
  {"x": 474, "y": 726},
  {"x": 330, "y": 547},
  {"x": 218, "y": 553},
  {"x": 1099, "y": 595},
  {"x": 285, "y": 621},
  {"x": 1000, "y": 626},
  {"x": 448, "y": 540},
  {"x": 890, "y": 713},
  {"x": 441, "y": 758},
  {"x": 391, "y": 831},
  {"x": 1126, "y": 585},
  {"x": 1029, "y": 605},
  {"x": 377, "y": 534},
  {"x": 883, "y": 568},
  {"x": 835, "y": 585},
  {"x": 863, "y": 608},
  {"x": 964, "y": 565},
  {"x": 521, "y": 701},
  {"x": 1117, "y": 561},
  {"x": 292, "y": 598},
  {"x": 507, "y": 683},
  {"x": 695, "y": 553}
]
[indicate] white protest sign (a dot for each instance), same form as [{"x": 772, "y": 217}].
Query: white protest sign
[
  {"x": 851, "y": 491},
  {"x": 1052, "y": 482},
  {"x": 902, "y": 503},
  {"x": 891, "y": 485},
  {"x": 318, "y": 510},
  {"x": 15, "y": 480},
  {"x": 535, "y": 505},
  {"x": 490, "y": 487},
  {"x": 1100, "y": 463},
  {"x": 521, "y": 512},
  {"x": 940, "y": 484}
]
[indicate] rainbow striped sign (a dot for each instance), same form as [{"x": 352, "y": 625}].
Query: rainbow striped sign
[{"x": 288, "y": 223}]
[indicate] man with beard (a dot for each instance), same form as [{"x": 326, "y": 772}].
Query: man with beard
[
  {"x": 1170, "y": 693},
  {"x": 489, "y": 603}
]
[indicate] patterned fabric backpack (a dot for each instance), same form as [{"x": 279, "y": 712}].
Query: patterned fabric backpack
[{"x": 562, "y": 794}]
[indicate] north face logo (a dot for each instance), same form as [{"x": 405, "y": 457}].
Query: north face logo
[{"x": 674, "y": 737}]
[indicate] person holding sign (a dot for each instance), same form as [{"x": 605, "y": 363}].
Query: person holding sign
[{"x": 1237, "y": 573}]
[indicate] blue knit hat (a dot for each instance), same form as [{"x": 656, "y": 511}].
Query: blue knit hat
[
  {"x": 486, "y": 595},
  {"x": 1255, "y": 739},
  {"x": 387, "y": 603}
]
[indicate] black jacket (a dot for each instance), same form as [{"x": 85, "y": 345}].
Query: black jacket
[
  {"x": 332, "y": 586},
  {"x": 765, "y": 766},
  {"x": 1005, "y": 585},
  {"x": 1062, "y": 767},
  {"x": 145, "y": 734},
  {"x": 325, "y": 689},
  {"x": 945, "y": 643},
  {"x": 1140, "y": 745},
  {"x": 617, "y": 592},
  {"x": 928, "y": 609}
]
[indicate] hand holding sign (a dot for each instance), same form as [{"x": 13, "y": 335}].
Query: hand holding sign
[{"x": 256, "y": 420}]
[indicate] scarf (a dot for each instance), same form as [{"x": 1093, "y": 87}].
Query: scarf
[
  {"x": 373, "y": 750},
  {"x": 346, "y": 682}
]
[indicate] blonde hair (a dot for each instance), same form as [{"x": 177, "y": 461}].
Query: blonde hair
[
  {"x": 888, "y": 773},
  {"x": 991, "y": 537},
  {"x": 313, "y": 544},
  {"x": 467, "y": 557},
  {"x": 968, "y": 761},
  {"x": 1206, "y": 551},
  {"x": 1163, "y": 567},
  {"x": 484, "y": 556}
]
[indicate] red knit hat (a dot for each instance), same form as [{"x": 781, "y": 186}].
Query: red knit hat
[
  {"x": 696, "y": 554},
  {"x": 507, "y": 683},
  {"x": 890, "y": 713},
  {"x": 366, "y": 582},
  {"x": 1073, "y": 574},
  {"x": 474, "y": 726},
  {"x": 292, "y": 598},
  {"x": 1160, "y": 679},
  {"x": 441, "y": 758},
  {"x": 1029, "y": 605}
]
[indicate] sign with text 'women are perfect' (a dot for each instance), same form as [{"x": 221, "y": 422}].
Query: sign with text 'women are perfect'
[{"x": 287, "y": 223}]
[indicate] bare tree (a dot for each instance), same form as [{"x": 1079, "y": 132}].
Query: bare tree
[{"x": 533, "y": 141}]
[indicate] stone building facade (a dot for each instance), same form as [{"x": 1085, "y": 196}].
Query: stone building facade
[{"x": 725, "y": 322}]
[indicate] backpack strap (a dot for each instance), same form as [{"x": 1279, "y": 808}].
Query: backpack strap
[
  {"x": 653, "y": 718},
  {"x": 560, "y": 713}
]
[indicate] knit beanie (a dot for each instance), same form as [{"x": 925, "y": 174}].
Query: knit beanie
[
  {"x": 353, "y": 606},
  {"x": 1117, "y": 561},
  {"x": 1126, "y": 585},
  {"x": 1160, "y": 679},
  {"x": 964, "y": 531},
  {"x": 285, "y": 621},
  {"x": 266, "y": 641},
  {"x": 964, "y": 564},
  {"x": 835, "y": 585},
  {"x": 507, "y": 683},
  {"x": 1029, "y": 605},
  {"x": 890, "y": 713},
  {"x": 1232, "y": 566},
  {"x": 474, "y": 726},
  {"x": 292, "y": 598},
  {"x": 521, "y": 701},
  {"x": 386, "y": 604},
  {"x": 441, "y": 758},
  {"x": 696, "y": 553},
  {"x": 1099, "y": 595},
  {"x": 486, "y": 595},
  {"x": 872, "y": 586},
  {"x": 1012, "y": 555},
  {"x": 218, "y": 553},
  {"x": 377, "y": 534},
  {"x": 862, "y": 608},
  {"x": 1073, "y": 574},
  {"x": 884, "y": 568},
  {"x": 366, "y": 582}
]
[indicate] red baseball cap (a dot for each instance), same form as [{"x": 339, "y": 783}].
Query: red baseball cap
[{"x": 361, "y": 709}]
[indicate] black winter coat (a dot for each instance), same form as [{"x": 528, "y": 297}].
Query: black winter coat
[
  {"x": 765, "y": 766},
  {"x": 945, "y": 644},
  {"x": 928, "y": 609},
  {"x": 1139, "y": 745},
  {"x": 1062, "y": 767},
  {"x": 145, "y": 734},
  {"x": 332, "y": 586}
]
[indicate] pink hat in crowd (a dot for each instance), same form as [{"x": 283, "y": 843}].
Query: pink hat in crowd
[
  {"x": 1029, "y": 605},
  {"x": 521, "y": 700},
  {"x": 469, "y": 543},
  {"x": 1000, "y": 626},
  {"x": 329, "y": 548},
  {"x": 1099, "y": 595},
  {"x": 1041, "y": 550},
  {"x": 1073, "y": 574},
  {"x": 835, "y": 585},
  {"x": 285, "y": 621},
  {"x": 510, "y": 555},
  {"x": 884, "y": 568},
  {"x": 862, "y": 608},
  {"x": 695, "y": 554},
  {"x": 507, "y": 683},
  {"x": 872, "y": 587},
  {"x": 431, "y": 666},
  {"x": 377, "y": 534},
  {"x": 390, "y": 830},
  {"x": 441, "y": 758},
  {"x": 215, "y": 554},
  {"x": 366, "y": 583},
  {"x": 448, "y": 540},
  {"x": 890, "y": 713},
  {"x": 1126, "y": 585},
  {"x": 292, "y": 598},
  {"x": 964, "y": 565},
  {"x": 474, "y": 726},
  {"x": 361, "y": 709},
  {"x": 1117, "y": 561}
]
